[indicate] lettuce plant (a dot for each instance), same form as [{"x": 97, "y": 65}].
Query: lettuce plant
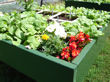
[
  {"x": 23, "y": 28},
  {"x": 28, "y": 4}
]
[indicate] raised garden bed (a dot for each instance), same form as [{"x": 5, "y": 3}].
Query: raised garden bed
[
  {"x": 40, "y": 66},
  {"x": 37, "y": 65},
  {"x": 62, "y": 17},
  {"x": 91, "y": 5},
  {"x": 47, "y": 12}
]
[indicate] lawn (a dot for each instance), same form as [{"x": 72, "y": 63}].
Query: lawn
[{"x": 100, "y": 71}]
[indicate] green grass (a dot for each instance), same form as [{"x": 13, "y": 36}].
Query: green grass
[{"x": 100, "y": 71}]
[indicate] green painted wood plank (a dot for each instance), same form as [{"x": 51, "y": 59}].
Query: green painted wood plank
[
  {"x": 84, "y": 61},
  {"x": 35, "y": 64}
]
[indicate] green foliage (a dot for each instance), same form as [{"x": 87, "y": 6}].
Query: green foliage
[
  {"x": 51, "y": 7},
  {"x": 23, "y": 28},
  {"x": 27, "y": 4},
  {"x": 53, "y": 46},
  {"x": 89, "y": 21},
  {"x": 27, "y": 27},
  {"x": 83, "y": 24}
]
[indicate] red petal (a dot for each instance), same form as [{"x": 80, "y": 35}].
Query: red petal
[
  {"x": 72, "y": 45},
  {"x": 87, "y": 36},
  {"x": 58, "y": 57},
  {"x": 63, "y": 58},
  {"x": 72, "y": 38},
  {"x": 75, "y": 53}
]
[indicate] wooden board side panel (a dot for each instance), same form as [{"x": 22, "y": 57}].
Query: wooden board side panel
[
  {"x": 34, "y": 66},
  {"x": 88, "y": 60}
]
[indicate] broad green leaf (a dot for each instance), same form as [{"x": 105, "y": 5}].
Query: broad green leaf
[
  {"x": 33, "y": 41},
  {"x": 16, "y": 42},
  {"x": 19, "y": 34}
]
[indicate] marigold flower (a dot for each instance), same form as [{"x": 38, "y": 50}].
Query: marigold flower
[{"x": 45, "y": 37}]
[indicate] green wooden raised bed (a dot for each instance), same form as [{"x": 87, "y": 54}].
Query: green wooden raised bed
[
  {"x": 44, "y": 68},
  {"x": 102, "y": 6}
]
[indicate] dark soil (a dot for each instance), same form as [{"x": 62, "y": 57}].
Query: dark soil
[
  {"x": 48, "y": 13},
  {"x": 66, "y": 17},
  {"x": 37, "y": 10}
]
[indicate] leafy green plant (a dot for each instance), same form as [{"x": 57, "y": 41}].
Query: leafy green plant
[
  {"x": 23, "y": 28},
  {"x": 82, "y": 24},
  {"x": 33, "y": 31},
  {"x": 28, "y": 4},
  {"x": 97, "y": 20},
  {"x": 53, "y": 46}
]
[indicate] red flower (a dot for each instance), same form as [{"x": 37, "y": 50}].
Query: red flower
[
  {"x": 63, "y": 58},
  {"x": 65, "y": 53},
  {"x": 66, "y": 49},
  {"x": 76, "y": 44},
  {"x": 88, "y": 40},
  {"x": 80, "y": 49},
  {"x": 58, "y": 57},
  {"x": 72, "y": 38},
  {"x": 72, "y": 45},
  {"x": 75, "y": 53},
  {"x": 67, "y": 56},
  {"x": 80, "y": 36},
  {"x": 87, "y": 36}
]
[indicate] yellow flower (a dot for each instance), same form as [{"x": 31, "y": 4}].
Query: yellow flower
[{"x": 45, "y": 37}]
